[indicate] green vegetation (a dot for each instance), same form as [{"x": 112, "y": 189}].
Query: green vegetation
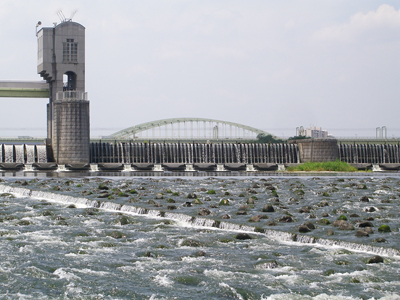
[
  {"x": 335, "y": 166},
  {"x": 224, "y": 202},
  {"x": 384, "y": 228},
  {"x": 263, "y": 138}
]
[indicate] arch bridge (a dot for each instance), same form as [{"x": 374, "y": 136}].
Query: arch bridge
[{"x": 189, "y": 129}]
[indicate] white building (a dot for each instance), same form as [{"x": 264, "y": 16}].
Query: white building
[{"x": 316, "y": 132}]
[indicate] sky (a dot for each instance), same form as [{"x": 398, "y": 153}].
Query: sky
[{"x": 272, "y": 65}]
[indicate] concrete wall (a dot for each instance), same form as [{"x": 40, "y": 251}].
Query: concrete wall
[
  {"x": 71, "y": 132},
  {"x": 317, "y": 150}
]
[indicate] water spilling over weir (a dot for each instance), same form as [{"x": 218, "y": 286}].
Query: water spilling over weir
[
  {"x": 189, "y": 153},
  {"x": 216, "y": 156},
  {"x": 369, "y": 153},
  {"x": 23, "y": 154}
]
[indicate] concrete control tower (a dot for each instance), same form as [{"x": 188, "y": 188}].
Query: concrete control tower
[{"x": 61, "y": 62}]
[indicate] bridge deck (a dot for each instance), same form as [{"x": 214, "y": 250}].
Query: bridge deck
[{"x": 24, "y": 89}]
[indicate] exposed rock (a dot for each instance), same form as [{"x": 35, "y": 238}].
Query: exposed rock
[
  {"x": 305, "y": 209},
  {"x": 116, "y": 234},
  {"x": 323, "y": 203},
  {"x": 380, "y": 240},
  {"x": 303, "y": 229},
  {"x": 191, "y": 196},
  {"x": 343, "y": 225},
  {"x": 374, "y": 260},
  {"x": 250, "y": 201},
  {"x": 243, "y": 236},
  {"x": 364, "y": 199},
  {"x": 255, "y": 219},
  {"x": 224, "y": 202},
  {"x": 325, "y": 215},
  {"x": 309, "y": 225},
  {"x": 384, "y": 228},
  {"x": 159, "y": 196},
  {"x": 330, "y": 232},
  {"x": 187, "y": 204},
  {"x": 368, "y": 230},
  {"x": 225, "y": 217},
  {"x": 286, "y": 219},
  {"x": 191, "y": 243},
  {"x": 324, "y": 222},
  {"x": 370, "y": 209},
  {"x": 150, "y": 254},
  {"x": 103, "y": 187},
  {"x": 204, "y": 212},
  {"x": 354, "y": 216},
  {"x": 361, "y": 233},
  {"x": 241, "y": 212},
  {"x": 268, "y": 208},
  {"x": 200, "y": 253},
  {"x": 123, "y": 220},
  {"x": 365, "y": 224},
  {"x": 103, "y": 195}
]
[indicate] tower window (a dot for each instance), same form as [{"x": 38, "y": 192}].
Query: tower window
[{"x": 70, "y": 51}]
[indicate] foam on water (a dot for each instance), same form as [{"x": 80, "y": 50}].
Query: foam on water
[
  {"x": 62, "y": 274},
  {"x": 163, "y": 280},
  {"x": 198, "y": 221}
]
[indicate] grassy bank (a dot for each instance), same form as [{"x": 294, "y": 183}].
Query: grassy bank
[{"x": 335, "y": 166}]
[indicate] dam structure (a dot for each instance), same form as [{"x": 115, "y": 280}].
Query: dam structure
[
  {"x": 61, "y": 64},
  {"x": 191, "y": 144}
]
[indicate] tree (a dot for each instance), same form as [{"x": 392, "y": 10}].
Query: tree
[{"x": 263, "y": 138}]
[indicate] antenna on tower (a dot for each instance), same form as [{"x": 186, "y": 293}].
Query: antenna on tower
[
  {"x": 72, "y": 15},
  {"x": 61, "y": 16}
]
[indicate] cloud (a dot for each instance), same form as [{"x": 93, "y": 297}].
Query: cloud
[{"x": 380, "y": 25}]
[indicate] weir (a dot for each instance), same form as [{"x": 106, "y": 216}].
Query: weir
[
  {"x": 23, "y": 154},
  {"x": 370, "y": 153},
  {"x": 207, "y": 156},
  {"x": 192, "y": 153}
]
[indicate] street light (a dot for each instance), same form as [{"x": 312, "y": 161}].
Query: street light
[{"x": 37, "y": 25}]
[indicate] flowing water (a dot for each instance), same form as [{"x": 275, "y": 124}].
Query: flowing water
[{"x": 176, "y": 238}]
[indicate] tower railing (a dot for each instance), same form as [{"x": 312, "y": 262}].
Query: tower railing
[{"x": 71, "y": 95}]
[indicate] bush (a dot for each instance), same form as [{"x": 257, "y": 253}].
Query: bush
[{"x": 334, "y": 166}]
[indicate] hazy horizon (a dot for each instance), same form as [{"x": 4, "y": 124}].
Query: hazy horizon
[{"x": 271, "y": 65}]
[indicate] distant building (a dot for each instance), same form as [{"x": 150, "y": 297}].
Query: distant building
[{"x": 316, "y": 132}]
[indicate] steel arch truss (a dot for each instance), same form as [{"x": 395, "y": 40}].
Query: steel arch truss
[{"x": 211, "y": 131}]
